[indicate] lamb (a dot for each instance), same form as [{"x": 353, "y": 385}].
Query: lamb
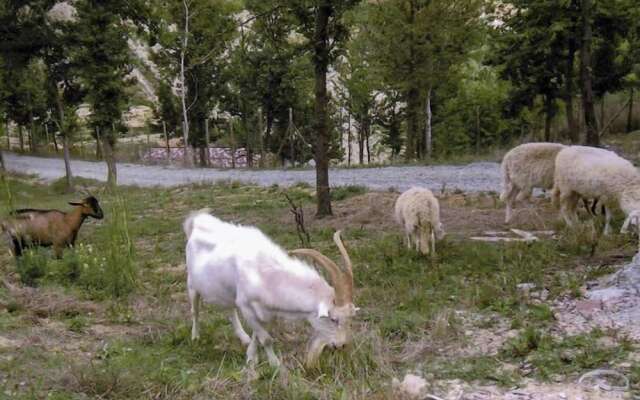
[
  {"x": 590, "y": 172},
  {"x": 32, "y": 227},
  {"x": 418, "y": 212},
  {"x": 238, "y": 268},
  {"x": 524, "y": 168}
]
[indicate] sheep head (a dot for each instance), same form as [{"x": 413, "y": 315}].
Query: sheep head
[{"x": 332, "y": 324}]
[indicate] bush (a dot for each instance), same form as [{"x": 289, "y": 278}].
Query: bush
[
  {"x": 32, "y": 266},
  {"x": 104, "y": 269},
  {"x": 344, "y": 192}
]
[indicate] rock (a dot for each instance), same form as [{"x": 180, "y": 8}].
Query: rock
[
  {"x": 413, "y": 386},
  {"x": 6, "y": 343},
  {"x": 525, "y": 288}
]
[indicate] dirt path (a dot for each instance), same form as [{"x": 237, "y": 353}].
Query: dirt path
[{"x": 473, "y": 177}]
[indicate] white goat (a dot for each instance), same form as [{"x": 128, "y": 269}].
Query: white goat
[
  {"x": 594, "y": 173},
  {"x": 418, "y": 212},
  {"x": 239, "y": 268},
  {"x": 525, "y": 167}
]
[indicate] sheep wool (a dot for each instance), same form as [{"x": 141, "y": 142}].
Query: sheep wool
[
  {"x": 525, "y": 167},
  {"x": 417, "y": 210},
  {"x": 590, "y": 172}
]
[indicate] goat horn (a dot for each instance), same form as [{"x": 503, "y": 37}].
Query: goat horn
[
  {"x": 335, "y": 273},
  {"x": 347, "y": 281}
]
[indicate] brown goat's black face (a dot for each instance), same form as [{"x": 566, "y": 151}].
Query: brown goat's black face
[{"x": 91, "y": 207}]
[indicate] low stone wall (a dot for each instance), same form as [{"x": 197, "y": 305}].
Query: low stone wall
[{"x": 219, "y": 157}]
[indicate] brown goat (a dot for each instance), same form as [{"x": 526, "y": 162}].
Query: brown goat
[{"x": 32, "y": 227}]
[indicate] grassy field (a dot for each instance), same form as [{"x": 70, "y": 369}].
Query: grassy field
[{"x": 111, "y": 318}]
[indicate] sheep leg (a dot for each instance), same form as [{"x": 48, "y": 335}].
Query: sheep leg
[
  {"x": 607, "y": 219},
  {"x": 510, "y": 199},
  {"x": 194, "y": 299},
  {"x": 568, "y": 207},
  {"x": 407, "y": 239},
  {"x": 238, "y": 329},
  {"x": 433, "y": 241}
]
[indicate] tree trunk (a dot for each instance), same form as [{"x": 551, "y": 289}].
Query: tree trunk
[
  {"x": 206, "y": 142},
  {"x": 183, "y": 92},
  {"x": 413, "y": 104},
  {"x": 548, "y": 118},
  {"x": 65, "y": 144},
  {"x": 367, "y": 134},
  {"x": 321, "y": 63},
  {"x": 99, "y": 155},
  {"x": 55, "y": 142},
  {"x": 233, "y": 145},
  {"x": 6, "y": 127},
  {"x": 602, "y": 112},
  {"x": 20, "y": 137},
  {"x": 349, "y": 140},
  {"x": 203, "y": 156},
  {"x": 361, "y": 136},
  {"x": 629, "y": 114},
  {"x": 427, "y": 127},
  {"x": 291, "y": 138},
  {"x": 477, "y": 129},
  {"x": 574, "y": 133},
  {"x": 166, "y": 140},
  {"x": 109, "y": 156},
  {"x": 592, "y": 138},
  {"x": 67, "y": 164},
  {"x": 31, "y": 135},
  {"x": 260, "y": 138}
]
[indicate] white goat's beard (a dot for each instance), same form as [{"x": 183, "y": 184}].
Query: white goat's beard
[{"x": 315, "y": 349}]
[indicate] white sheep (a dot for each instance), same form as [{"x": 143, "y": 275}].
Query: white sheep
[
  {"x": 239, "y": 268},
  {"x": 418, "y": 212},
  {"x": 524, "y": 168},
  {"x": 590, "y": 172}
]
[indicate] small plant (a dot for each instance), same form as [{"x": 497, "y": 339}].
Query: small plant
[
  {"x": 344, "y": 192},
  {"x": 32, "y": 266}
]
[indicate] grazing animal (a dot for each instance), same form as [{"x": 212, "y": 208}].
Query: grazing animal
[
  {"x": 525, "y": 167},
  {"x": 418, "y": 212},
  {"x": 238, "y": 268},
  {"x": 31, "y": 227},
  {"x": 594, "y": 173}
]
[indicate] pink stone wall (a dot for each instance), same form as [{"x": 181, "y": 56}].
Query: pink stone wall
[{"x": 219, "y": 157}]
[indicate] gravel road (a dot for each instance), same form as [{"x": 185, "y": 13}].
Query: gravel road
[{"x": 483, "y": 176}]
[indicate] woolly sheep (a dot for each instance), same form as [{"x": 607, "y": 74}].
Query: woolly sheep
[
  {"x": 525, "y": 167},
  {"x": 418, "y": 212},
  {"x": 590, "y": 172}
]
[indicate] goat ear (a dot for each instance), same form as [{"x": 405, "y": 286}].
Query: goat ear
[
  {"x": 73, "y": 203},
  {"x": 323, "y": 310}
]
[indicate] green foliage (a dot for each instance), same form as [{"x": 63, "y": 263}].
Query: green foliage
[
  {"x": 32, "y": 266},
  {"x": 344, "y": 192}
]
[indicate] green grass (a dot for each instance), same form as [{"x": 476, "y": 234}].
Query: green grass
[{"x": 134, "y": 275}]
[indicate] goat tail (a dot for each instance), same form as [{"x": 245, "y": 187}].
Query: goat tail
[{"x": 187, "y": 225}]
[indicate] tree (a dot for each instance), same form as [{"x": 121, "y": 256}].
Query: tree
[
  {"x": 105, "y": 64},
  {"x": 64, "y": 89},
  {"x": 194, "y": 36},
  {"x": 592, "y": 136},
  {"x": 531, "y": 47},
  {"x": 321, "y": 22},
  {"x": 361, "y": 85},
  {"x": 416, "y": 44}
]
